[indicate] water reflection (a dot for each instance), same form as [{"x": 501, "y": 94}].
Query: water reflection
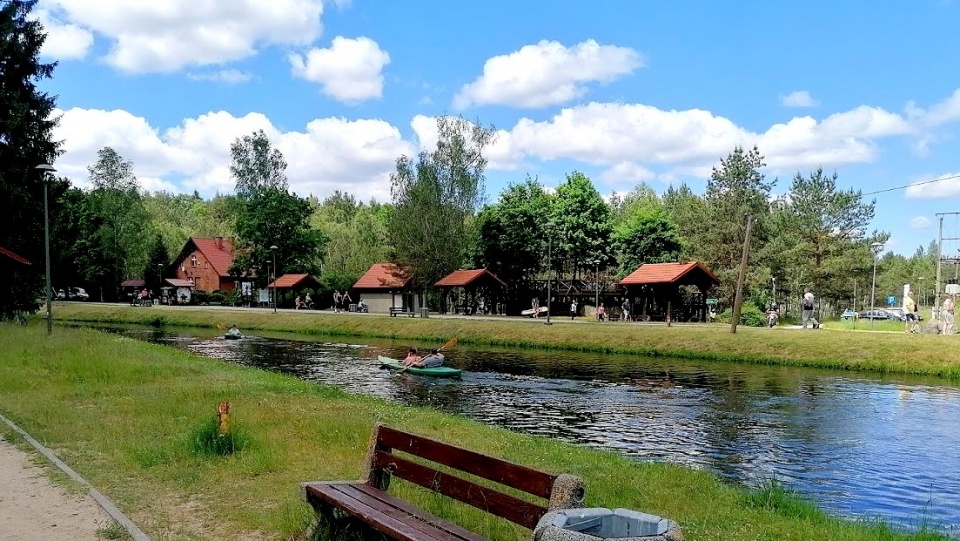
[{"x": 860, "y": 446}]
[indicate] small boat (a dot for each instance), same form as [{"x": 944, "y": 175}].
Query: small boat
[
  {"x": 232, "y": 334},
  {"x": 529, "y": 311},
  {"x": 438, "y": 372}
]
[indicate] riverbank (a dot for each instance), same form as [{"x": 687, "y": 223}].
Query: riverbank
[
  {"x": 123, "y": 413},
  {"x": 933, "y": 355}
]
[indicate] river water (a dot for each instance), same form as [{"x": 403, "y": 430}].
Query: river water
[{"x": 861, "y": 446}]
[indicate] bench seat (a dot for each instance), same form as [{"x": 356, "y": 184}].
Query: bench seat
[{"x": 387, "y": 514}]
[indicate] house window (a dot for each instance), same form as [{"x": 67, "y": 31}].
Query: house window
[{"x": 193, "y": 261}]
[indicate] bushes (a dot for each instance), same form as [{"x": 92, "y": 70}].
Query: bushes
[{"x": 750, "y": 316}]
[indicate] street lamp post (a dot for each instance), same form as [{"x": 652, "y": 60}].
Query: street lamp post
[
  {"x": 47, "y": 170},
  {"x": 773, "y": 280},
  {"x": 877, "y": 247},
  {"x": 274, "y": 250},
  {"x": 549, "y": 227},
  {"x": 596, "y": 302}
]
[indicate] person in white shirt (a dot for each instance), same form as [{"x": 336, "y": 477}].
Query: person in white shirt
[{"x": 807, "y": 311}]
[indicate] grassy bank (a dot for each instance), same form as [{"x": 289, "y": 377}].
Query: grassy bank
[
  {"x": 123, "y": 414},
  {"x": 878, "y": 352}
]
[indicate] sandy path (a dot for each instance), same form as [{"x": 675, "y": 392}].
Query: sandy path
[{"x": 31, "y": 507}]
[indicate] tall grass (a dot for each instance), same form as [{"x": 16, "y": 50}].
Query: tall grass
[
  {"x": 883, "y": 352},
  {"x": 122, "y": 412}
]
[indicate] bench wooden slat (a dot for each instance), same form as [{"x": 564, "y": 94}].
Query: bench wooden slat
[
  {"x": 399, "y": 509},
  {"x": 506, "y": 473},
  {"x": 374, "y": 516},
  {"x": 519, "y": 511}
]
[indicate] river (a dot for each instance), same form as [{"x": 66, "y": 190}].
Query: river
[{"x": 859, "y": 445}]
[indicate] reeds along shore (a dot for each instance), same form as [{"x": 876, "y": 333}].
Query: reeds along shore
[
  {"x": 125, "y": 415},
  {"x": 884, "y": 352}
]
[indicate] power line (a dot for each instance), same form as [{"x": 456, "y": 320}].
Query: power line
[{"x": 914, "y": 184}]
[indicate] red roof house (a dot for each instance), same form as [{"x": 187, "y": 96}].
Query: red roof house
[
  {"x": 383, "y": 288},
  {"x": 295, "y": 281},
  {"x": 468, "y": 278},
  {"x": 205, "y": 262}
]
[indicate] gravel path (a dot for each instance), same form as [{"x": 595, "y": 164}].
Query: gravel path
[{"x": 32, "y": 507}]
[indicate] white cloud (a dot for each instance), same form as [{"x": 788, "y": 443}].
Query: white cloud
[
  {"x": 228, "y": 76},
  {"x": 351, "y": 70},
  {"x": 166, "y": 36},
  {"x": 920, "y": 222},
  {"x": 547, "y": 73},
  {"x": 64, "y": 41},
  {"x": 627, "y": 173},
  {"x": 330, "y": 153},
  {"x": 799, "y": 98},
  {"x": 925, "y": 189}
]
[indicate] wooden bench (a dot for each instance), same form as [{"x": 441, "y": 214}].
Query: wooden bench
[
  {"x": 368, "y": 501},
  {"x": 613, "y": 317},
  {"x": 394, "y": 310}
]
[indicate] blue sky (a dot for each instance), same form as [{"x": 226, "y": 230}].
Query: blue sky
[{"x": 624, "y": 91}]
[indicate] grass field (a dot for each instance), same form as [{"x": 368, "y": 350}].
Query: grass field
[
  {"x": 125, "y": 414},
  {"x": 832, "y": 347}
]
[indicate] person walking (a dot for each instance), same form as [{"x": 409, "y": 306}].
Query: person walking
[
  {"x": 337, "y": 301},
  {"x": 910, "y": 314},
  {"x": 573, "y": 309},
  {"x": 535, "y": 305},
  {"x": 625, "y": 309},
  {"x": 808, "y": 303}
]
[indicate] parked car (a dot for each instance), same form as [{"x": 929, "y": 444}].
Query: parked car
[
  {"x": 878, "y": 314},
  {"x": 73, "y": 294},
  {"x": 901, "y": 315},
  {"x": 848, "y": 314}
]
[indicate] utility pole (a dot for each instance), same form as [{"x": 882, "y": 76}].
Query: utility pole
[{"x": 738, "y": 299}]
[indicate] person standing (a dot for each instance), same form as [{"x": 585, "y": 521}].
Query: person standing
[
  {"x": 625, "y": 309},
  {"x": 337, "y": 301},
  {"x": 946, "y": 316},
  {"x": 345, "y": 300},
  {"x": 296, "y": 302},
  {"x": 910, "y": 313},
  {"x": 573, "y": 309},
  {"x": 807, "y": 316}
]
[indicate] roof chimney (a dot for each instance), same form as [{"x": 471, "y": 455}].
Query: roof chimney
[{"x": 219, "y": 242}]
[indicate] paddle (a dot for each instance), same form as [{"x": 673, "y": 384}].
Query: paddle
[{"x": 450, "y": 344}]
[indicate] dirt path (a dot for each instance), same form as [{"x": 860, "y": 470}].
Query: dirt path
[{"x": 32, "y": 507}]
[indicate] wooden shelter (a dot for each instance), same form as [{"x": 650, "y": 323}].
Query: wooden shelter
[
  {"x": 470, "y": 291},
  {"x": 669, "y": 291},
  {"x": 385, "y": 286}
]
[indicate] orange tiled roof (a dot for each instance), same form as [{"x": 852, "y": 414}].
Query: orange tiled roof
[
  {"x": 382, "y": 276},
  {"x": 291, "y": 280},
  {"x": 461, "y": 278},
  {"x": 219, "y": 252},
  {"x": 14, "y": 256},
  {"x": 663, "y": 273}
]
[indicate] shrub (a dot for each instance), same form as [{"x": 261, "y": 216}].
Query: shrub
[
  {"x": 206, "y": 440},
  {"x": 750, "y": 316}
]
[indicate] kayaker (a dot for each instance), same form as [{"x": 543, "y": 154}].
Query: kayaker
[
  {"x": 413, "y": 358},
  {"x": 434, "y": 360}
]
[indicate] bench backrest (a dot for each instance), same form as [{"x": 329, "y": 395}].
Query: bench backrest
[{"x": 561, "y": 491}]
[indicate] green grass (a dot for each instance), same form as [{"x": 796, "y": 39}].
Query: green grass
[
  {"x": 933, "y": 355},
  {"x": 123, "y": 412}
]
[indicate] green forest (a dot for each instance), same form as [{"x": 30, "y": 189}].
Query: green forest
[{"x": 807, "y": 232}]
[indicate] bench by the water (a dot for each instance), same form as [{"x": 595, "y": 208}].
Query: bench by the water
[
  {"x": 394, "y": 310},
  {"x": 387, "y": 456}
]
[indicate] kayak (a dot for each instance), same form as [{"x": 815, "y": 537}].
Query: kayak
[
  {"x": 438, "y": 372},
  {"x": 232, "y": 336}
]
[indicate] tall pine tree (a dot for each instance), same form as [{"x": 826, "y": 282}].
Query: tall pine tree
[{"x": 26, "y": 124}]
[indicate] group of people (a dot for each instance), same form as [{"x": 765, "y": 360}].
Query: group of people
[
  {"x": 305, "y": 303},
  {"x": 433, "y": 360}
]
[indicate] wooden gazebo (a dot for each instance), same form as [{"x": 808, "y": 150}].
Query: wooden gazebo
[
  {"x": 482, "y": 291},
  {"x": 669, "y": 291}
]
